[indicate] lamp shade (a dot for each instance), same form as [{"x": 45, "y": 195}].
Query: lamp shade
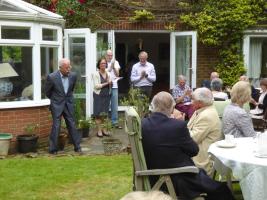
[{"x": 6, "y": 70}]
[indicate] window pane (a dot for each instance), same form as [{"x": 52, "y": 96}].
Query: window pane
[
  {"x": 49, "y": 64},
  {"x": 49, "y": 34},
  {"x": 10, "y": 32},
  {"x": 15, "y": 73},
  {"x": 102, "y": 44}
]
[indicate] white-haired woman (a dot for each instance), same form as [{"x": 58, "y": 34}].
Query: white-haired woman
[{"x": 236, "y": 121}]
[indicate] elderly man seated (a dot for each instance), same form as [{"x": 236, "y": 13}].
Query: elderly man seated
[
  {"x": 204, "y": 126},
  {"x": 206, "y": 83},
  {"x": 167, "y": 144},
  {"x": 216, "y": 89},
  {"x": 182, "y": 96}
]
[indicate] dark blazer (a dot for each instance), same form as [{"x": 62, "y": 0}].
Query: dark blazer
[
  {"x": 54, "y": 90},
  {"x": 263, "y": 106},
  {"x": 167, "y": 142}
]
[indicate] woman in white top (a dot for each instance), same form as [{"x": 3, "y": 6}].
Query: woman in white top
[
  {"x": 262, "y": 103},
  {"x": 216, "y": 89}
]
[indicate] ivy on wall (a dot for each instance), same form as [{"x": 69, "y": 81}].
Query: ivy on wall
[{"x": 222, "y": 24}]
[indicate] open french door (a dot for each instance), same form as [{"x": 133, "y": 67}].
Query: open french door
[
  {"x": 80, "y": 48},
  {"x": 183, "y": 57}
]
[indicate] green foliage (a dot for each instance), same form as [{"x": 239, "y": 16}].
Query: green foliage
[
  {"x": 31, "y": 129},
  {"x": 79, "y": 107},
  {"x": 89, "y": 13},
  {"x": 222, "y": 24},
  {"x": 142, "y": 16},
  {"x": 138, "y": 100},
  {"x": 85, "y": 123},
  {"x": 107, "y": 124}
]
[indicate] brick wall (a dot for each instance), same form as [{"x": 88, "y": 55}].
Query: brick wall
[
  {"x": 14, "y": 120},
  {"x": 127, "y": 25},
  {"x": 207, "y": 59}
]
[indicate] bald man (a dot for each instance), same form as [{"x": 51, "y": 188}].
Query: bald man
[{"x": 59, "y": 88}]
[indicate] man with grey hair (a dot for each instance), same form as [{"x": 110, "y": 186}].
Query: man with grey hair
[
  {"x": 182, "y": 96},
  {"x": 143, "y": 74},
  {"x": 113, "y": 68},
  {"x": 206, "y": 83},
  {"x": 204, "y": 126},
  {"x": 167, "y": 144},
  {"x": 59, "y": 88}
]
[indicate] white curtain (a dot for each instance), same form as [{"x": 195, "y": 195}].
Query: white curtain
[
  {"x": 255, "y": 59},
  {"x": 183, "y": 56}
]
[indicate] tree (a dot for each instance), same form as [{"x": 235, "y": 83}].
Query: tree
[{"x": 222, "y": 24}]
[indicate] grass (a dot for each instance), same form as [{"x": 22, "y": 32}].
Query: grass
[{"x": 68, "y": 178}]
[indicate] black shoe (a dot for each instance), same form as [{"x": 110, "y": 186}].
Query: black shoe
[
  {"x": 53, "y": 152},
  {"x": 78, "y": 150},
  {"x": 117, "y": 126}
]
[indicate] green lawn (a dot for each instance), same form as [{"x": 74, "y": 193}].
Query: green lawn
[{"x": 68, "y": 178}]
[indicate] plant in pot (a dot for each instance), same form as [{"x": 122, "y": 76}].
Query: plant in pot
[
  {"x": 28, "y": 141},
  {"x": 111, "y": 144},
  {"x": 84, "y": 126},
  {"x": 62, "y": 137}
]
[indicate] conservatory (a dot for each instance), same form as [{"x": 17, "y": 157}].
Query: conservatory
[{"x": 31, "y": 42}]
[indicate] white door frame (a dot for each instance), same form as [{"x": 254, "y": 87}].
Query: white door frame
[
  {"x": 172, "y": 56},
  {"x": 90, "y": 60},
  {"x": 246, "y": 43}
]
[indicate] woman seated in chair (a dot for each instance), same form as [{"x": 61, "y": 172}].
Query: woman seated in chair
[
  {"x": 236, "y": 121},
  {"x": 261, "y": 105},
  {"x": 216, "y": 89},
  {"x": 182, "y": 96}
]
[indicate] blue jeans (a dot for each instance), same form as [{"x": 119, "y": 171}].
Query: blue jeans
[{"x": 114, "y": 105}]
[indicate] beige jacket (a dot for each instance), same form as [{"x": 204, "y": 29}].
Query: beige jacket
[
  {"x": 205, "y": 129},
  {"x": 97, "y": 82}
]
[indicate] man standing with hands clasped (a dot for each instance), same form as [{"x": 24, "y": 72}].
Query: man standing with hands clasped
[
  {"x": 113, "y": 68},
  {"x": 59, "y": 88},
  {"x": 143, "y": 74}
]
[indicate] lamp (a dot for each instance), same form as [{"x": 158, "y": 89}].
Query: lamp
[{"x": 6, "y": 71}]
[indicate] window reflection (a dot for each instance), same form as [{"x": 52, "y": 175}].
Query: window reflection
[
  {"x": 49, "y": 64},
  {"x": 16, "y": 73}
]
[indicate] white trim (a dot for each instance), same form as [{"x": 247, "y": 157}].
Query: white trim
[
  {"x": 31, "y": 8},
  {"x": 24, "y": 104},
  {"x": 90, "y": 59},
  {"x": 134, "y": 31},
  {"x": 246, "y": 43},
  {"x": 194, "y": 56}
]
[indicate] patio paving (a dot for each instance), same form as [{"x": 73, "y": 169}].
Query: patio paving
[{"x": 91, "y": 145}]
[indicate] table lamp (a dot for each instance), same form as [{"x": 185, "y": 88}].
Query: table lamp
[{"x": 6, "y": 71}]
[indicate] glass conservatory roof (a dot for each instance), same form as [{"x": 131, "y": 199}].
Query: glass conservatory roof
[
  {"x": 21, "y": 10},
  {"x": 4, "y": 6}
]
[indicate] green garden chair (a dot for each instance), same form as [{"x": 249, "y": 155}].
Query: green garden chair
[{"x": 140, "y": 172}]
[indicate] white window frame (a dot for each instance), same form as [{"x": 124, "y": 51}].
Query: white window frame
[
  {"x": 173, "y": 80},
  {"x": 246, "y": 43},
  {"x": 36, "y": 43}
]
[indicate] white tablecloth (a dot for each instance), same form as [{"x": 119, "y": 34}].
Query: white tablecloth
[{"x": 246, "y": 167}]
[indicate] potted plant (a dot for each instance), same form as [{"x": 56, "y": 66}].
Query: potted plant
[
  {"x": 111, "y": 145},
  {"x": 138, "y": 100},
  {"x": 5, "y": 139},
  {"x": 62, "y": 137},
  {"x": 84, "y": 126},
  {"x": 28, "y": 141}
]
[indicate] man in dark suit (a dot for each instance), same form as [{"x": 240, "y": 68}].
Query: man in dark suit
[
  {"x": 59, "y": 88},
  {"x": 167, "y": 144}
]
